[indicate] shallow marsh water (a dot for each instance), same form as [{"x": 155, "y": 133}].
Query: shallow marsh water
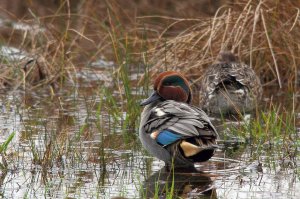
[
  {"x": 72, "y": 146},
  {"x": 75, "y": 145}
]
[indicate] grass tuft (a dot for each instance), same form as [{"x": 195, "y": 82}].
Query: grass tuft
[{"x": 264, "y": 35}]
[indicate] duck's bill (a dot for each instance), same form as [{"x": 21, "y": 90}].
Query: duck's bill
[{"x": 153, "y": 97}]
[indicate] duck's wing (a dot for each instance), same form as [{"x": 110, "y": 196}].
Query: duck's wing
[
  {"x": 181, "y": 119},
  {"x": 233, "y": 71},
  {"x": 235, "y": 74},
  {"x": 245, "y": 75}
]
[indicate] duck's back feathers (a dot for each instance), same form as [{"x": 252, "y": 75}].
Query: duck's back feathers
[
  {"x": 174, "y": 129},
  {"x": 180, "y": 118},
  {"x": 233, "y": 72},
  {"x": 236, "y": 79}
]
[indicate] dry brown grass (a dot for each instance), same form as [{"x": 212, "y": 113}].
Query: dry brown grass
[
  {"x": 44, "y": 44},
  {"x": 174, "y": 35},
  {"x": 265, "y": 34},
  {"x": 43, "y": 63}
]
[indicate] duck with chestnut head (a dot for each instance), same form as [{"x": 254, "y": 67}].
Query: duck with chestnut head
[
  {"x": 173, "y": 130},
  {"x": 229, "y": 86}
]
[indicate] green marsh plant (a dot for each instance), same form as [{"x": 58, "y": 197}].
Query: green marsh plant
[
  {"x": 3, "y": 148},
  {"x": 272, "y": 134}
]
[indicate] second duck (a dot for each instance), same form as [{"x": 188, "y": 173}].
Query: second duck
[{"x": 229, "y": 86}]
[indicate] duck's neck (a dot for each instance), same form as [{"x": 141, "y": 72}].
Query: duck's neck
[
  {"x": 151, "y": 105},
  {"x": 147, "y": 109}
]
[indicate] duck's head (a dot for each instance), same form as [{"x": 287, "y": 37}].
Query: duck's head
[
  {"x": 227, "y": 57},
  {"x": 170, "y": 85}
]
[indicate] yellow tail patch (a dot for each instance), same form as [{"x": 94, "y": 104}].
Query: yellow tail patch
[{"x": 189, "y": 149}]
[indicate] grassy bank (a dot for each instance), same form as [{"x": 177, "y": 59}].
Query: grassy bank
[{"x": 73, "y": 34}]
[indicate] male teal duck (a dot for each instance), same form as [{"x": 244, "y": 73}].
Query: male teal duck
[
  {"x": 173, "y": 130},
  {"x": 229, "y": 86}
]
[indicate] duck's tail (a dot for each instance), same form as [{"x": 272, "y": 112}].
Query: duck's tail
[
  {"x": 194, "y": 149},
  {"x": 198, "y": 149}
]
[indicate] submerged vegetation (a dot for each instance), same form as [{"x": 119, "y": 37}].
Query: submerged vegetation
[{"x": 72, "y": 74}]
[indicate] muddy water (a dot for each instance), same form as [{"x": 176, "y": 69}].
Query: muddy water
[{"x": 65, "y": 148}]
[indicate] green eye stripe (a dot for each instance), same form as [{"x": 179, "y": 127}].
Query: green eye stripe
[{"x": 176, "y": 81}]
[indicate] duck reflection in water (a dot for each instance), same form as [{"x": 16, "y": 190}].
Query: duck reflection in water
[{"x": 184, "y": 183}]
